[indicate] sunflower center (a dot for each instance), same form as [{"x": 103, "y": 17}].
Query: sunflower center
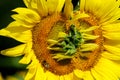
[
  {"x": 61, "y": 50},
  {"x": 65, "y": 46}
]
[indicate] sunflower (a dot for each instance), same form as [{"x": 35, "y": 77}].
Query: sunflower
[{"x": 60, "y": 43}]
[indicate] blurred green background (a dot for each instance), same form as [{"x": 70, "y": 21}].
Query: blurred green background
[{"x": 10, "y": 65}]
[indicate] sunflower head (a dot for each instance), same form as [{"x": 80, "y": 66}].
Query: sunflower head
[{"x": 65, "y": 44}]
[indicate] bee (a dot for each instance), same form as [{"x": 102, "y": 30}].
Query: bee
[{"x": 45, "y": 64}]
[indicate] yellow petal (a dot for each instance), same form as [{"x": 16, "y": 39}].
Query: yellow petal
[
  {"x": 86, "y": 5},
  {"x": 115, "y": 43},
  {"x": 107, "y": 13},
  {"x": 26, "y": 16},
  {"x": 26, "y": 2},
  {"x": 17, "y": 31},
  {"x": 88, "y": 36},
  {"x": 80, "y": 15},
  {"x": 34, "y": 62},
  {"x": 82, "y": 5},
  {"x": 22, "y": 36},
  {"x": 62, "y": 35},
  {"x": 32, "y": 4},
  {"x": 55, "y": 5},
  {"x": 89, "y": 29},
  {"x": 69, "y": 76},
  {"x": 112, "y": 35},
  {"x": 27, "y": 58},
  {"x": 68, "y": 10},
  {"x": 111, "y": 27},
  {"x": 79, "y": 73},
  {"x": 51, "y": 76},
  {"x": 15, "y": 26},
  {"x": 104, "y": 73},
  {"x": 76, "y": 78},
  {"x": 112, "y": 17},
  {"x": 15, "y": 51},
  {"x": 32, "y": 69},
  {"x": 30, "y": 74},
  {"x": 52, "y": 5},
  {"x": 51, "y": 41},
  {"x": 89, "y": 47},
  {"x": 96, "y": 75},
  {"x": 60, "y": 5},
  {"x": 112, "y": 49},
  {"x": 105, "y": 66},
  {"x": 110, "y": 56},
  {"x": 40, "y": 74},
  {"x": 42, "y": 7},
  {"x": 88, "y": 76},
  {"x": 28, "y": 49},
  {"x": 61, "y": 78}
]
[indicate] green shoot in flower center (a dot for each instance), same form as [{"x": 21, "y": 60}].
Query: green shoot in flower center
[{"x": 66, "y": 46}]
